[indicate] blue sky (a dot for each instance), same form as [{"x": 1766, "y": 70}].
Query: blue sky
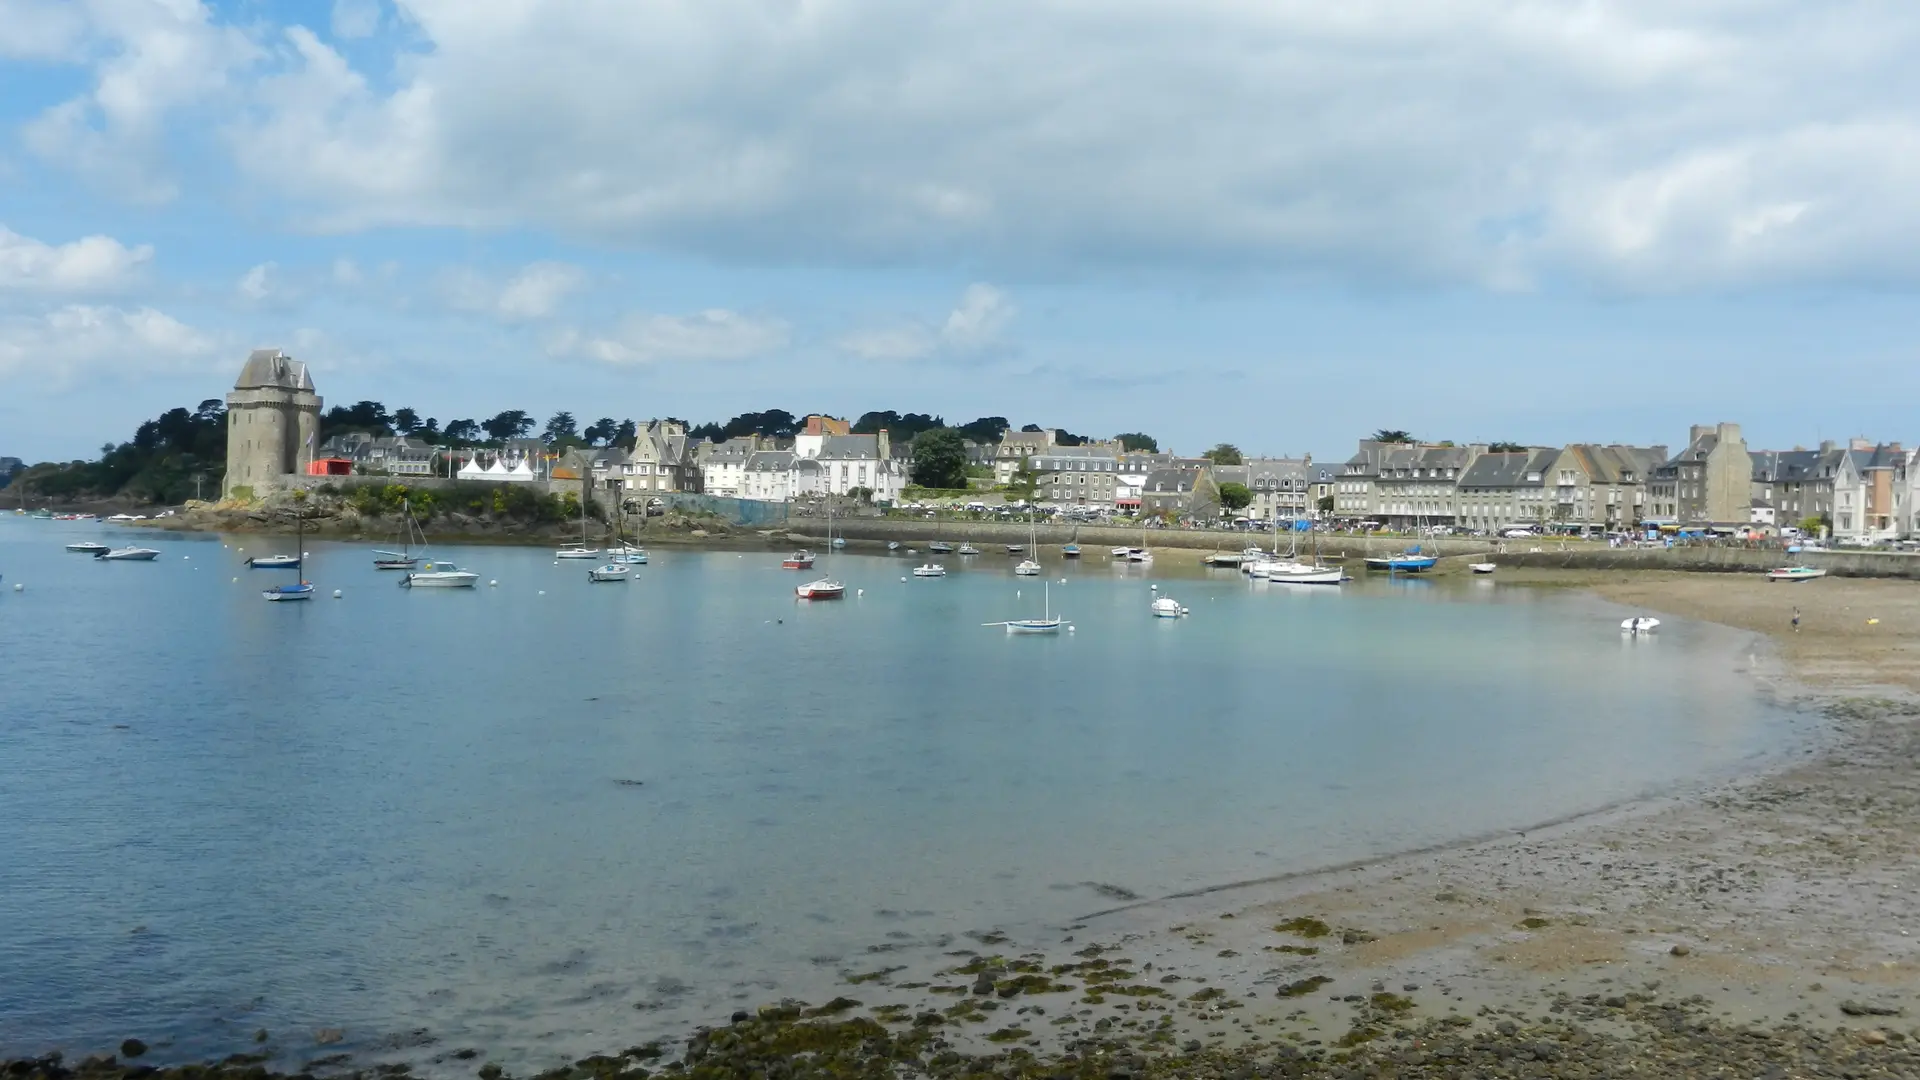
[{"x": 1280, "y": 223}]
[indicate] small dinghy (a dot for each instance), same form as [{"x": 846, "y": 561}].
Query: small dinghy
[
  {"x": 1639, "y": 624},
  {"x": 1166, "y": 607},
  {"x": 1482, "y": 567},
  {"x": 610, "y": 572}
]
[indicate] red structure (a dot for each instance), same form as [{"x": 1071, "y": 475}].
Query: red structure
[{"x": 330, "y": 466}]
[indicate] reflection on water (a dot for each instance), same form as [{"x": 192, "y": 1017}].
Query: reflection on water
[{"x": 541, "y": 824}]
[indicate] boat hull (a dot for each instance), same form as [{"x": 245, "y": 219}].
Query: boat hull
[
  {"x": 128, "y": 555},
  {"x": 1318, "y": 575},
  {"x": 289, "y": 592},
  {"x": 820, "y": 590},
  {"x": 1034, "y": 626},
  {"x": 461, "y": 580},
  {"x": 796, "y": 564},
  {"x": 1402, "y": 566},
  {"x": 395, "y": 564},
  {"x": 274, "y": 562},
  {"x": 1795, "y": 573}
]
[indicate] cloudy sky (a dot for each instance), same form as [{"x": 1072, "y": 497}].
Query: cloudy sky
[{"x": 1277, "y": 222}]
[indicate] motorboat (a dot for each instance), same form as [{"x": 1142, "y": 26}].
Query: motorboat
[
  {"x": 1482, "y": 567},
  {"x": 893, "y": 545},
  {"x": 1795, "y": 573},
  {"x": 128, "y": 554},
  {"x": 1166, "y": 607},
  {"x": 610, "y": 572},
  {"x": 1027, "y": 568},
  {"x": 274, "y": 562},
  {"x": 440, "y": 575},
  {"x": 799, "y": 560},
  {"x": 1119, "y": 552},
  {"x": 969, "y": 549},
  {"x": 1640, "y": 624},
  {"x": 1070, "y": 551},
  {"x": 122, "y": 518},
  {"x": 940, "y": 547},
  {"x": 1139, "y": 555},
  {"x": 821, "y": 589},
  {"x": 88, "y": 547},
  {"x": 930, "y": 570},
  {"x": 577, "y": 551}
]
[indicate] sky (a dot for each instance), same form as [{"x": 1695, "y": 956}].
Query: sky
[{"x": 1277, "y": 223}]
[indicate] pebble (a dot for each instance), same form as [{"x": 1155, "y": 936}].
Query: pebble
[{"x": 1680, "y": 950}]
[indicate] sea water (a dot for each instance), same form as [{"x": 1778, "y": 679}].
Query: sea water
[{"x": 547, "y": 817}]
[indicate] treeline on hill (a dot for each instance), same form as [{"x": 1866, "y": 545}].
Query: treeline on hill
[
  {"x": 509, "y": 501},
  {"x": 179, "y": 455},
  {"x": 182, "y": 453}
]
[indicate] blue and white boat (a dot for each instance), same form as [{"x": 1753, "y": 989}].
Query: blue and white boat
[
  {"x": 1411, "y": 561},
  {"x": 274, "y": 562},
  {"x": 300, "y": 589},
  {"x": 1048, "y": 623}
]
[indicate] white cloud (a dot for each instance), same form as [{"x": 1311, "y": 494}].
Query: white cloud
[
  {"x": 57, "y": 345},
  {"x": 713, "y": 335},
  {"x": 975, "y": 323},
  {"x": 154, "y": 57},
  {"x": 355, "y": 18},
  {"x": 92, "y": 262},
  {"x": 258, "y": 283},
  {"x": 40, "y": 29},
  {"x": 983, "y": 313},
  {"x": 535, "y": 291},
  {"x": 1476, "y": 142}
]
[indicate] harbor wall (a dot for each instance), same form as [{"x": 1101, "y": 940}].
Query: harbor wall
[{"x": 1873, "y": 564}]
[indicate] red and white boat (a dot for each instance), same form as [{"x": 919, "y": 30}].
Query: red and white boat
[
  {"x": 823, "y": 589},
  {"x": 799, "y": 560}
]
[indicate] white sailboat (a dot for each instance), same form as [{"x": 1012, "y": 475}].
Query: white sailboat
[
  {"x": 825, "y": 587},
  {"x": 1028, "y": 567},
  {"x": 404, "y": 559},
  {"x": 1048, "y": 623},
  {"x": 579, "y": 550},
  {"x": 1307, "y": 573},
  {"x": 613, "y": 571}
]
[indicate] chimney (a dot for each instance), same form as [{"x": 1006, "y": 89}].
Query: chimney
[
  {"x": 1727, "y": 432},
  {"x": 1695, "y": 432},
  {"x": 1826, "y": 446},
  {"x": 1859, "y": 444},
  {"x": 885, "y": 448}
]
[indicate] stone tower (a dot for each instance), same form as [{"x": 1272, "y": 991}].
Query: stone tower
[{"x": 273, "y": 418}]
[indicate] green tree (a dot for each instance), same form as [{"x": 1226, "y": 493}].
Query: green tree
[
  {"x": 462, "y": 431},
  {"x": 1812, "y": 524},
  {"x": 601, "y": 431},
  {"x": 1224, "y": 454},
  {"x": 860, "y": 494},
  {"x": 510, "y": 424},
  {"x": 1135, "y": 441},
  {"x": 1325, "y": 504},
  {"x": 1506, "y": 448},
  {"x": 1235, "y": 496},
  {"x": 939, "y": 459},
  {"x": 987, "y": 429},
  {"x": 561, "y": 429},
  {"x": 1392, "y": 435},
  {"x": 627, "y": 434},
  {"x": 406, "y": 421}
]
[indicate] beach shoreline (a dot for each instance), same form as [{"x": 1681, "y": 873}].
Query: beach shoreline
[{"x": 1781, "y": 901}]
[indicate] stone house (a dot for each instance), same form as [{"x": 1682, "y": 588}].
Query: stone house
[
  {"x": 768, "y": 475},
  {"x": 383, "y": 455},
  {"x": 1282, "y": 487},
  {"x": 1707, "y": 485},
  {"x": 1598, "y": 488},
  {"x": 1506, "y": 490},
  {"x": 661, "y": 459},
  {"x": 1017, "y": 446},
  {"x": 723, "y": 465},
  {"x": 1168, "y": 490},
  {"x": 1076, "y": 476}
]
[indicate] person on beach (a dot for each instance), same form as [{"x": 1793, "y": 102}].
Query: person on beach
[{"x": 1796, "y": 620}]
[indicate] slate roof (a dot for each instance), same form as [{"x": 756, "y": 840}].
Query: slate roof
[
  {"x": 770, "y": 461},
  {"x": 273, "y": 369},
  {"x": 1509, "y": 470}
]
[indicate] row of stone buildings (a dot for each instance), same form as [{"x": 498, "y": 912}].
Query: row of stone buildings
[{"x": 1863, "y": 491}]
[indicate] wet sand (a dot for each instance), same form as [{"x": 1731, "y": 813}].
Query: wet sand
[{"x": 1791, "y": 897}]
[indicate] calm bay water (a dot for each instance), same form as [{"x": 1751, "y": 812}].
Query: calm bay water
[{"x": 509, "y": 816}]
